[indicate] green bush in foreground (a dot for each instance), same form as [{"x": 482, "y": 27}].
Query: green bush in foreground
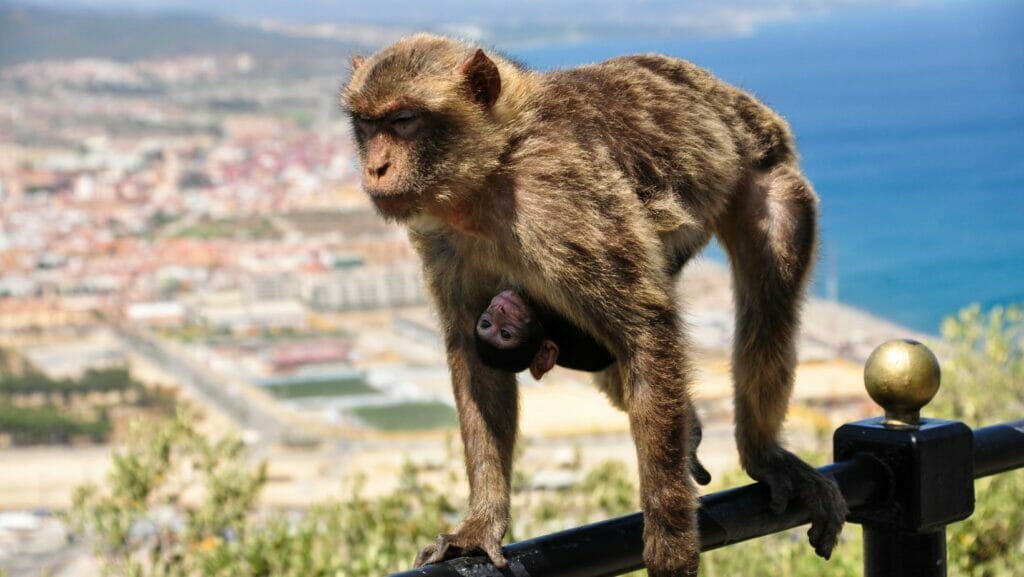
[
  {"x": 982, "y": 384},
  {"x": 141, "y": 528}
]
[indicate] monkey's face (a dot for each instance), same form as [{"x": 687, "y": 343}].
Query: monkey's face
[
  {"x": 421, "y": 121},
  {"x": 389, "y": 146},
  {"x": 507, "y": 322}
]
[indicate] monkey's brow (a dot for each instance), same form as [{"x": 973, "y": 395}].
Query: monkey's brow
[{"x": 389, "y": 107}]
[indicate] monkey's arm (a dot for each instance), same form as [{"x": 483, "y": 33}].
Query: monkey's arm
[{"x": 487, "y": 403}]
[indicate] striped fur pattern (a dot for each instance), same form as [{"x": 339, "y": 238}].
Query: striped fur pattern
[{"x": 589, "y": 189}]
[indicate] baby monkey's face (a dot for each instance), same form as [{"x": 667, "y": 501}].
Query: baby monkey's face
[{"x": 506, "y": 322}]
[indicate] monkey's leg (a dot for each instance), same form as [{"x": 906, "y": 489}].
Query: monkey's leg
[
  {"x": 660, "y": 419},
  {"x": 610, "y": 381},
  {"x": 769, "y": 234},
  {"x": 488, "y": 407},
  {"x": 635, "y": 316}
]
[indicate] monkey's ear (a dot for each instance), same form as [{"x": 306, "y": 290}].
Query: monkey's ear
[
  {"x": 357, "y": 61},
  {"x": 545, "y": 359},
  {"x": 483, "y": 78}
]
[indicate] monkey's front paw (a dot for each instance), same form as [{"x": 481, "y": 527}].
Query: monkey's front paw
[
  {"x": 788, "y": 477},
  {"x": 461, "y": 544}
]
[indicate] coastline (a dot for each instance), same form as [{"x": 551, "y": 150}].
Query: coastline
[{"x": 829, "y": 329}]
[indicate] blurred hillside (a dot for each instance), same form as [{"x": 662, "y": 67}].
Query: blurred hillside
[
  {"x": 42, "y": 33},
  {"x": 306, "y": 32}
]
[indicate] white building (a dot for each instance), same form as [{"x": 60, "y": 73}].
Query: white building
[
  {"x": 156, "y": 313},
  {"x": 366, "y": 287},
  {"x": 243, "y": 316}
]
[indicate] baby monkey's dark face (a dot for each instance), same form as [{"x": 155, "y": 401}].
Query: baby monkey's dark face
[{"x": 507, "y": 322}]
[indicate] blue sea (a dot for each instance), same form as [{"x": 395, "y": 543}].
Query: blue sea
[{"x": 910, "y": 123}]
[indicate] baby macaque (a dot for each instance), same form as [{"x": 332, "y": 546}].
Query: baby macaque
[{"x": 514, "y": 334}]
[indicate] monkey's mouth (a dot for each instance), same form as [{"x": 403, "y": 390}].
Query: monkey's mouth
[{"x": 394, "y": 204}]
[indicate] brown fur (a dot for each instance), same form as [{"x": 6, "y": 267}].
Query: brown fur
[{"x": 588, "y": 189}]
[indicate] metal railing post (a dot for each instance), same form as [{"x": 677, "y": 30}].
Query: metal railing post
[{"x": 929, "y": 464}]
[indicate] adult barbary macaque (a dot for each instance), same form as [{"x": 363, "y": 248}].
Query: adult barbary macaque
[{"x": 589, "y": 189}]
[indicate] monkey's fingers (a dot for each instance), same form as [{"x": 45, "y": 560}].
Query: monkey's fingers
[
  {"x": 425, "y": 556},
  {"x": 828, "y": 511},
  {"x": 788, "y": 477},
  {"x": 496, "y": 555},
  {"x": 435, "y": 552},
  {"x": 453, "y": 545}
]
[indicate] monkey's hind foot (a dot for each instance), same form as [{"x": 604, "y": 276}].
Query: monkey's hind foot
[
  {"x": 788, "y": 477},
  {"x": 462, "y": 543}
]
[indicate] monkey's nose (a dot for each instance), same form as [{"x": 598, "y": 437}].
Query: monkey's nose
[{"x": 380, "y": 171}]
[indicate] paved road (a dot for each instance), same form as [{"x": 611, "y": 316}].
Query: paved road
[{"x": 205, "y": 386}]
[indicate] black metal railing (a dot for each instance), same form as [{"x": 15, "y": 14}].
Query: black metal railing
[{"x": 904, "y": 480}]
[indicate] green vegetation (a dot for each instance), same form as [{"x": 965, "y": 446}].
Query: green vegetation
[
  {"x": 407, "y": 416},
  {"x": 158, "y": 221},
  {"x": 323, "y": 388},
  {"x": 48, "y": 424},
  {"x": 982, "y": 358},
  {"x": 256, "y": 228},
  {"x": 983, "y": 384},
  {"x": 31, "y": 381},
  {"x": 35, "y": 408},
  {"x": 141, "y": 529}
]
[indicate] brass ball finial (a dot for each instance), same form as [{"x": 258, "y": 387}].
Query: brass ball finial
[{"x": 902, "y": 376}]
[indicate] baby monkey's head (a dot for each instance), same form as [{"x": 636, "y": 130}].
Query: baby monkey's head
[{"x": 510, "y": 336}]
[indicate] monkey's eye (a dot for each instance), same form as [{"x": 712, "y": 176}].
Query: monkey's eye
[
  {"x": 365, "y": 124},
  {"x": 404, "y": 123},
  {"x": 506, "y": 334},
  {"x": 485, "y": 324},
  {"x": 404, "y": 115}
]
